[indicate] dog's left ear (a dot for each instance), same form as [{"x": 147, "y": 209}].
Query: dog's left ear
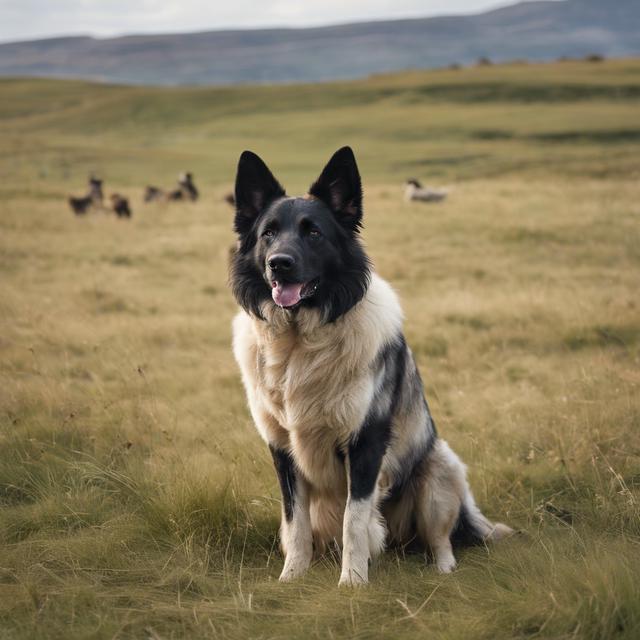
[{"x": 340, "y": 188}]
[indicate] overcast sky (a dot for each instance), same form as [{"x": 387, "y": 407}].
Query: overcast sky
[{"x": 27, "y": 19}]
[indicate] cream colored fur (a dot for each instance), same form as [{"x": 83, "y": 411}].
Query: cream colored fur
[{"x": 296, "y": 536}]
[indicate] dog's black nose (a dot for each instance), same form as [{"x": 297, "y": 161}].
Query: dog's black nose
[{"x": 280, "y": 262}]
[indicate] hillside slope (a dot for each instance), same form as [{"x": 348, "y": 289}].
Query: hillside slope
[
  {"x": 571, "y": 118},
  {"x": 531, "y": 30}
]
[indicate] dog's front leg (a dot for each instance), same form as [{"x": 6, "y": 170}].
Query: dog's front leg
[
  {"x": 295, "y": 530},
  {"x": 364, "y": 460}
]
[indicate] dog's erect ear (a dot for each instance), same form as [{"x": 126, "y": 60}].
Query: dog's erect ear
[
  {"x": 340, "y": 188},
  {"x": 256, "y": 188}
]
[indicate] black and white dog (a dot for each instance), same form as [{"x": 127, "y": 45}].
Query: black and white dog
[{"x": 332, "y": 385}]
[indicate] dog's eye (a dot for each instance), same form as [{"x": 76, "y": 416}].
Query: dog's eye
[
  {"x": 314, "y": 233},
  {"x": 268, "y": 233}
]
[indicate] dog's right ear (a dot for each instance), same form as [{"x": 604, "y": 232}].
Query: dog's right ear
[{"x": 256, "y": 188}]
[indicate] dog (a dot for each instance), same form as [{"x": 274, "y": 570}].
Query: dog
[
  {"x": 120, "y": 205},
  {"x": 331, "y": 384},
  {"x": 414, "y": 191}
]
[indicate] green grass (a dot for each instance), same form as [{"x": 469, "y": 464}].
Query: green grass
[{"x": 136, "y": 499}]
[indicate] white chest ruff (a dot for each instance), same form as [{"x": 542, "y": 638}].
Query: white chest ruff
[
  {"x": 311, "y": 384},
  {"x": 311, "y": 389},
  {"x": 316, "y": 399}
]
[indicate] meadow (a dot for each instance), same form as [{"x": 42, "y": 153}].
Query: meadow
[{"x": 136, "y": 498}]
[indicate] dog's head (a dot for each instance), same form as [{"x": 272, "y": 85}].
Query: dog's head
[{"x": 299, "y": 252}]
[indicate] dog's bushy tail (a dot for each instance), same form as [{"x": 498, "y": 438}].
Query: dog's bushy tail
[{"x": 474, "y": 528}]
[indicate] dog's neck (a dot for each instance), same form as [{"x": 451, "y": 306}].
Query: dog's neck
[
  {"x": 309, "y": 322},
  {"x": 303, "y": 321}
]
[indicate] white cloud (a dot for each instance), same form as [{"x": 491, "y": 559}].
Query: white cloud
[{"x": 42, "y": 18}]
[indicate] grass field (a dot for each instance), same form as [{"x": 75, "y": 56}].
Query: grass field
[{"x": 136, "y": 499}]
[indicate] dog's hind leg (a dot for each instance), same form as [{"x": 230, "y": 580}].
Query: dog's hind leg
[
  {"x": 438, "y": 502},
  {"x": 295, "y": 531},
  {"x": 446, "y": 509}
]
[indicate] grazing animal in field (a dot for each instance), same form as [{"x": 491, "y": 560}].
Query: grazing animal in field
[
  {"x": 186, "y": 190},
  {"x": 185, "y": 182},
  {"x": 120, "y": 205},
  {"x": 152, "y": 194},
  {"x": 332, "y": 385},
  {"x": 95, "y": 190},
  {"x": 155, "y": 194},
  {"x": 175, "y": 194},
  {"x": 80, "y": 205},
  {"x": 413, "y": 190},
  {"x": 93, "y": 199}
]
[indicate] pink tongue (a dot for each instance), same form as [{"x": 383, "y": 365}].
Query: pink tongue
[{"x": 286, "y": 295}]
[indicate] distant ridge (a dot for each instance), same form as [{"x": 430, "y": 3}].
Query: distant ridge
[{"x": 538, "y": 30}]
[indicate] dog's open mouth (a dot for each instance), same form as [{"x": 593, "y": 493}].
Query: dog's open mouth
[{"x": 289, "y": 294}]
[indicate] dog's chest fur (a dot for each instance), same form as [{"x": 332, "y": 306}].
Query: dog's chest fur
[
  {"x": 310, "y": 384},
  {"x": 314, "y": 397}
]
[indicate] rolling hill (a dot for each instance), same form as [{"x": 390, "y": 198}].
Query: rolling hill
[{"x": 537, "y": 30}]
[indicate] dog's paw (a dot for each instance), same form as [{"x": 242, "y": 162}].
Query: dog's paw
[
  {"x": 288, "y": 576},
  {"x": 446, "y": 567},
  {"x": 293, "y": 569},
  {"x": 352, "y": 578},
  {"x": 445, "y": 562}
]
